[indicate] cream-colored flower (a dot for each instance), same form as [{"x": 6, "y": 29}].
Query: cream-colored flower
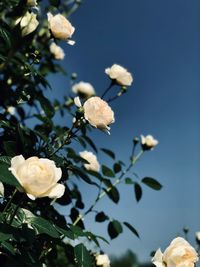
[
  {"x": 28, "y": 23},
  {"x": 179, "y": 254},
  {"x": 77, "y": 102},
  {"x": 60, "y": 27},
  {"x": 198, "y": 236},
  {"x": 31, "y": 3},
  {"x": 98, "y": 113},
  {"x": 37, "y": 176},
  {"x": 57, "y": 51},
  {"x": 1, "y": 190},
  {"x": 83, "y": 89},
  {"x": 148, "y": 142},
  {"x": 120, "y": 75},
  {"x": 102, "y": 260},
  {"x": 11, "y": 110},
  {"x": 93, "y": 164}
]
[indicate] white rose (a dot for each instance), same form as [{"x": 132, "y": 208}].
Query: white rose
[
  {"x": 84, "y": 89},
  {"x": 57, "y": 51},
  {"x": 102, "y": 260},
  {"x": 1, "y": 190},
  {"x": 179, "y": 254},
  {"x": 93, "y": 164},
  {"x": 37, "y": 176},
  {"x": 60, "y": 27},
  {"x": 31, "y": 3},
  {"x": 198, "y": 236},
  {"x": 148, "y": 142},
  {"x": 28, "y": 23},
  {"x": 98, "y": 113},
  {"x": 120, "y": 75}
]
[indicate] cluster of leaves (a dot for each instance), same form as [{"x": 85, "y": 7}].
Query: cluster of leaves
[{"x": 33, "y": 233}]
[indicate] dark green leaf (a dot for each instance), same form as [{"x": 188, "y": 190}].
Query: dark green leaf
[
  {"x": 108, "y": 152},
  {"x": 46, "y": 105},
  {"x": 101, "y": 217},
  {"x": 132, "y": 229},
  {"x": 5, "y": 159},
  {"x": 82, "y": 256},
  {"x": 7, "y": 177},
  {"x": 138, "y": 191},
  {"x": 113, "y": 194},
  {"x": 114, "y": 229},
  {"x": 43, "y": 226},
  {"x": 128, "y": 181},
  {"x": 5, "y": 35},
  {"x": 117, "y": 167},
  {"x": 90, "y": 142},
  {"x": 151, "y": 182},
  {"x": 9, "y": 247},
  {"x": 107, "y": 171}
]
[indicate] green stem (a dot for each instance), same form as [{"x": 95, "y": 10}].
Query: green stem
[
  {"x": 102, "y": 194},
  {"x": 108, "y": 89},
  {"x": 69, "y": 136},
  {"x": 10, "y": 201}
]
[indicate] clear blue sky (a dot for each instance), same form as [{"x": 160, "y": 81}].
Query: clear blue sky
[{"x": 159, "y": 42}]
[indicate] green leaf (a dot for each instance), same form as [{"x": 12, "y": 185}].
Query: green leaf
[
  {"x": 79, "y": 173},
  {"x": 107, "y": 171},
  {"x": 10, "y": 147},
  {"x": 82, "y": 256},
  {"x": 129, "y": 181},
  {"x": 46, "y": 106},
  {"x": 43, "y": 226},
  {"x": 108, "y": 152},
  {"x": 7, "y": 177},
  {"x": 9, "y": 247},
  {"x": 90, "y": 142},
  {"x": 117, "y": 167},
  {"x": 138, "y": 191},
  {"x": 131, "y": 228},
  {"x": 5, "y": 35},
  {"x": 101, "y": 217},
  {"x": 114, "y": 229},
  {"x": 113, "y": 194},
  {"x": 151, "y": 182},
  {"x": 5, "y": 159}
]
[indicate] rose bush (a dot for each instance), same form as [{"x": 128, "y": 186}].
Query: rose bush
[{"x": 42, "y": 208}]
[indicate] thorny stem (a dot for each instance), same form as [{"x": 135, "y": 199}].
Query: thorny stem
[{"x": 102, "y": 194}]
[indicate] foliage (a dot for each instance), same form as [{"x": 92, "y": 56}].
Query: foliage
[{"x": 35, "y": 232}]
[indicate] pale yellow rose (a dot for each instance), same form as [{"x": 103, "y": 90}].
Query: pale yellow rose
[
  {"x": 120, "y": 75},
  {"x": 1, "y": 189},
  {"x": 102, "y": 260},
  {"x": 57, "y": 51},
  {"x": 98, "y": 113},
  {"x": 83, "y": 89},
  {"x": 28, "y": 23},
  {"x": 31, "y": 3},
  {"x": 60, "y": 27},
  {"x": 37, "y": 176},
  {"x": 93, "y": 164},
  {"x": 148, "y": 142},
  {"x": 179, "y": 254}
]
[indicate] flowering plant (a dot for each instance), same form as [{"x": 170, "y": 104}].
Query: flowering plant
[{"x": 38, "y": 162}]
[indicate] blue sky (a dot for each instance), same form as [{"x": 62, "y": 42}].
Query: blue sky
[{"x": 158, "y": 41}]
